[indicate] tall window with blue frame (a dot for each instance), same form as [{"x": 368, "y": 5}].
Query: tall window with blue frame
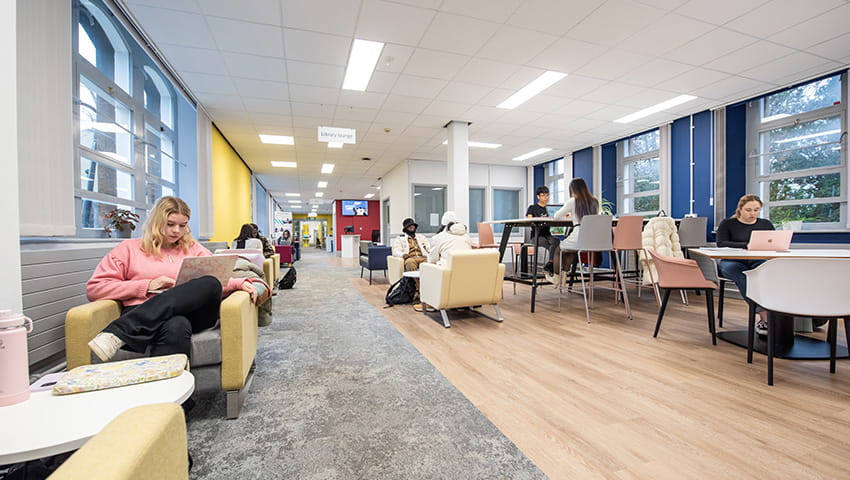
[{"x": 639, "y": 173}]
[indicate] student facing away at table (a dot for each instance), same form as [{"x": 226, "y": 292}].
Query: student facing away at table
[
  {"x": 735, "y": 232},
  {"x": 580, "y": 203},
  {"x": 544, "y": 236},
  {"x": 135, "y": 268}
]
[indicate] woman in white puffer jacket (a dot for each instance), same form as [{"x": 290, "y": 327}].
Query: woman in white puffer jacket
[{"x": 452, "y": 239}]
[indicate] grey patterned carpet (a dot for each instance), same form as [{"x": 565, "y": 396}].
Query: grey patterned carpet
[{"x": 340, "y": 394}]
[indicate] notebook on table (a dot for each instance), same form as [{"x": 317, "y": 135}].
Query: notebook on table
[
  {"x": 770, "y": 240},
  {"x": 219, "y": 266},
  {"x": 117, "y": 374}
]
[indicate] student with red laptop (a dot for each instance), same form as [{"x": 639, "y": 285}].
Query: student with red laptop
[{"x": 735, "y": 232}]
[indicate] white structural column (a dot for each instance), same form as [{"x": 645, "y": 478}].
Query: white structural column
[
  {"x": 10, "y": 258},
  {"x": 458, "y": 169}
]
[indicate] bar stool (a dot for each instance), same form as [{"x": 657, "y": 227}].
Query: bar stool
[{"x": 628, "y": 237}]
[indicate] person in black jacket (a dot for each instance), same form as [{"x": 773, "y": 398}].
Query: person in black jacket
[
  {"x": 735, "y": 232},
  {"x": 544, "y": 236}
]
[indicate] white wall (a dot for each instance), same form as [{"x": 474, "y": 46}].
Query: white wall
[
  {"x": 10, "y": 253},
  {"x": 396, "y": 188},
  {"x": 45, "y": 124}
]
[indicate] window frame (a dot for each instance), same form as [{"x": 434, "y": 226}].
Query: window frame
[
  {"x": 760, "y": 183},
  {"x": 625, "y": 161}
]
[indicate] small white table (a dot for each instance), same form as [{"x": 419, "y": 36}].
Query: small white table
[
  {"x": 48, "y": 424},
  {"x": 350, "y": 246}
]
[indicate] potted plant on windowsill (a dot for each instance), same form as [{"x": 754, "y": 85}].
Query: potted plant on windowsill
[{"x": 120, "y": 220}]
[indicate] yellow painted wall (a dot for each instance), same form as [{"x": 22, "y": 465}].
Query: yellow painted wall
[{"x": 231, "y": 184}]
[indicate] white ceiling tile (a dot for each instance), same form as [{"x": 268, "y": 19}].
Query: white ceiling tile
[
  {"x": 781, "y": 67},
  {"x": 262, "y": 89},
  {"x": 394, "y": 120},
  {"x": 448, "y": 110},
  {"x": 327, "y": 16},
  {"x": 418, "y": 86},
  {"x": 265, "y": 105},
  {"x": 816, "y": 30},
  {"x": 498, "y": 11},
  {"x": 496, "y": 96},
  {"x": 205, "y": 83},
  {"x": 394, "y": 57},
  {"x": 612, "y": 64},
  {"x": 382, "y": 82},
  {"x": 485, "y": 72},
  {"x": 308, "y": 94},
  {"x": 316, "y": 47},
  {"x": 646, "y": 98},
  {"x": 306, "y": 73},
  {"x": 816, "y": 71},
  {"x": 746, "y": 58},
  {"x": 184, "y": 5},
  {"x": 836, "y": 49},
  {"x": 361, "y": 99},
  {"x": 668, "y": 32},
  {"x": 434, "y": 64},
  {"x": 216, "y": 101},
  {"x": 713, "y": 44},
  {"x": 542, "y": 104},
  {"x": 280, "y": 121},
  {"x": 654, "y": 72},
  {"x": 613, "y": 22},
  {"x": 300, "y": 109},
  {"x": 179, "y": 28},
  {"x": 520, "y": 117},
  {"x": 191, "y": 59},
  {"x": 692, "y": 79},
  {"x": 725, "y": 89},
  {"x": 252, "y": 66},
  {"x": 665, "y": 5},
  {"x": 567, "y": 55},
  {"x": 403, "y": 103},
  {"x": 575, "y": 86},
  {"x": 777, "y": 15},
  {"x": 481, "y": 113},
  {"x": 345, "y": 113},
  {"x": 718, "y": 12},
  {"x": 257, "y": 11},
  {"x": 463, "y": 92},
  {"x": 516, "y": 45},
  {"x": 612, "y": 93},
  {"x": 457, "y": 34},
  {"x": 555, "y": 17},
  {"x": 386, "y": 22},
  {"x": 244, "y": 37}
]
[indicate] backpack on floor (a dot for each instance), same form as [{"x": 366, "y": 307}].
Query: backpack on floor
[
  {"x": 401, "y": 292},
  {"x": 288, "y": 280}
]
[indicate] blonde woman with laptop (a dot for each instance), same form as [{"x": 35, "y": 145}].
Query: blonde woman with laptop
[
  {"x": 735, "y": 232},
  {"x": 138, "y": 267}
]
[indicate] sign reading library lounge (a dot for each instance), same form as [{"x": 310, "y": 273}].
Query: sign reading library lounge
[{"x": 334, "y": 134}]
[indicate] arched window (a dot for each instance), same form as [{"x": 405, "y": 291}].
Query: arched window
[
  {"x": 158, "y": 99},
  {"x": 102, "y": 45}
]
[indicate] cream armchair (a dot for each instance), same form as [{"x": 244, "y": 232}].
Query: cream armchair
[
  {"x": 395, "y": 268},
  {"x": 143, "y": 442},
  {"x": 470, "y": 278},
  {"x": 222, "y": 357}
]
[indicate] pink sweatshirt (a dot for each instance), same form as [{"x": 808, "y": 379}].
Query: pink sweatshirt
[{"x": 125, "y": 273}]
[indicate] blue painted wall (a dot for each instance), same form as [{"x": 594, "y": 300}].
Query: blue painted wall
[
  {"x": 736, "y": 155},
  {"x": 609, "y": 174},
  {"x": 583, "y": 165}
]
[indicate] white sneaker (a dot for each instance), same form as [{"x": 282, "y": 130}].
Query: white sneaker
[
  {"x": 761, "y": 327},
  {"x": 105, "y": 346}
]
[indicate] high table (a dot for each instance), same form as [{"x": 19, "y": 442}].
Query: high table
[
  {"x": 787, "y": 344},
  {"x": 48, "y": 424},
  {"x": 528, "y": 222}
]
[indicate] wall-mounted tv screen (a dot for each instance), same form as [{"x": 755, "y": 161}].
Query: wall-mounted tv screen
[{"x": 359, "y": 208}]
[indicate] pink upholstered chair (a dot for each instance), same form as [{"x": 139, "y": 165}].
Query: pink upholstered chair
[
  {"x": 680, "y": 273},
  {"x": 628, "y": 237},
  {"x": 485, "y": 237}
]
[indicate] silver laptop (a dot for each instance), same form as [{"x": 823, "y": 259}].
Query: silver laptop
[
  {"x": 770, "y": 240},
  {"x": 219, "y": 266}
]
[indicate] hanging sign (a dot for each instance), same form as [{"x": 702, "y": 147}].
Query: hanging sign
[{"x": 335, "y": 134}]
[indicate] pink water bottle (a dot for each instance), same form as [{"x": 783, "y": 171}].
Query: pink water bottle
[{"x": 14, "y": 360}]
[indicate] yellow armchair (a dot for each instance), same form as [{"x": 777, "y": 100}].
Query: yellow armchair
[
  {"x": 470, "y": 278},
  {"x": 143, "y": 442},
  {"x": 223, "y": 355}
]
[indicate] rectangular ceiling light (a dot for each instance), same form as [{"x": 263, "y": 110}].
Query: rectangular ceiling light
[
  {"x": 532, "y": 154},
  {"x": 478, "y": 144},
  {"x": 277, "y": 139},
  {"x": 327, "y": 168},
  {"x": 656, "y": 108},
  {"x": 322, "y": 184},
  {"x": 320, "y": 194},
  {"x": 369, "y": 195},
  {"x": 335, "y": 144},
  {"x": 284, "y": 164},
  {"x": 544, "y": 81},
  {"x": 293, "y": 194},
  {"x": 361, "y": 63}
]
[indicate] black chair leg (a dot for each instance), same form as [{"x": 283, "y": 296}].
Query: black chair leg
[
  {"x": 709, "y": 304},
  {"x": 771, "y": 324},
  {"x": 751, "y": 330},
  {"x": 832, "y": 338},
  {"x": 370, "y": 276},
  {"x": 720, "y": 295},
  {"x": 361, "y": 271},
  {"x": 847, "y": 331},
  {"x": 661, "y": 310}
]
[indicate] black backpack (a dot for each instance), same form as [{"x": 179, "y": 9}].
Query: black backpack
[
  {"x": 401, "y": 292},
  {"x": 288, "y": 280}
]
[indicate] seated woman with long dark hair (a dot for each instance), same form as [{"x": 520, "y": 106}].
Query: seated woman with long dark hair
[
  {"x": 580, "y": 203},
  {"x": 139, "y": 266},
  {"x": 248, "y": 238}
]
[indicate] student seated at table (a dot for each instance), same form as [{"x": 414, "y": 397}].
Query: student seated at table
[
  {"x": 248, "y": 238},
  {"x": 135, "y": 268},
  {"x": 451, "y": 237},
  {"x": 580, "y": 203},
  {"x": 735, "y": 232},
  {"x": 544, "y": 236}
]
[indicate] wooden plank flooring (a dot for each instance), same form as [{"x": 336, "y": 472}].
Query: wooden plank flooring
[{"x": 607, "y": 400}]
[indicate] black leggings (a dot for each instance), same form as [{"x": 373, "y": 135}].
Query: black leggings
[{"x": 166, "y": 321}]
